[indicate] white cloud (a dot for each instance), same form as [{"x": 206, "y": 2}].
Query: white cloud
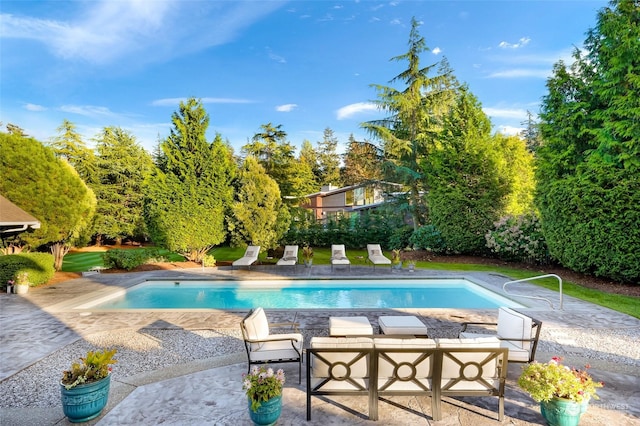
[
  {"x": 436, "y": 51},
  {"x": 286, "y": 107},
  {"x": 174, "y": 102},
  {"x": 34, "y": 107},
  {"x": 513, "y": 113},
  {"x": 88, "y": 110},
  {"x": 274, "y": 57},
  {"x": 353, "y": 109},
  {"x": 509, "y": 130},
  {"x": 521, "y": 43},
  {"x": 104, "y": 31},
  {"x": 521, "y": 73}
]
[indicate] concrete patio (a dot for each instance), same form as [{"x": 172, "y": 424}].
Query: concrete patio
[{"x": 208, "y": 391}]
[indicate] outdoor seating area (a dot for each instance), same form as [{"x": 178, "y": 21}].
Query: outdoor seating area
[
  {"x": 378, "y": 366},
  {"x": 385, "y": 386}
]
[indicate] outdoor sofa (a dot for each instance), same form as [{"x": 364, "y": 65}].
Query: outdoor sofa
[{"x": 379, "y": 366}]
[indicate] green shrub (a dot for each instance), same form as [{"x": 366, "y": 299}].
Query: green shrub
[
  {"x": 428, "y": 238},
  {"x": 128, "y": 259},
  {"x": 590, "y": 222},
  {"x": 518, "y": 238},
  {"x": 39, "y": 267},
  {"x": 399, "y": 237},
  {"x": 208, "y": 260}
]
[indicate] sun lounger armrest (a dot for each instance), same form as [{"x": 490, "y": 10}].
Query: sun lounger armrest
[
  {"x": 292, "y": 325},
  {"x": 275, "y": 338}
]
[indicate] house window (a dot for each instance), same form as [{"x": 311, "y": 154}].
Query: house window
[
  {"x": 348, "y": 198},
  {"x": 369, "y": 195}
]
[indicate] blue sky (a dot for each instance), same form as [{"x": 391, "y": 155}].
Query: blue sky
[{"x": 306, "y": 65}]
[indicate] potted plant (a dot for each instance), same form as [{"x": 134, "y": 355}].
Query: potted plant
[
  {"x": 563, "y": 392},
  {"x": 307, "y": 256},
  {"x": 396, "y": 261},
  {"x": 411, "y": 265},
  {"x": 22, "y": 283},
  {"x": 85, "y": 387},
  {"x": 264, "y": 394}
]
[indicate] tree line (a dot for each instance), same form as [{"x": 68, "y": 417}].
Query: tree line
[{"x": 568, "y": 186}]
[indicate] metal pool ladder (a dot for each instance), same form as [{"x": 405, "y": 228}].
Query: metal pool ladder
[{"x": 504, "y": 288}]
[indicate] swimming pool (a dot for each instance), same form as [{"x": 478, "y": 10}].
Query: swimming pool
[{"x": 303, "y": 294}]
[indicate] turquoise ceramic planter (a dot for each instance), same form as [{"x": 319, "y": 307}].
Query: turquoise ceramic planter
[
  {"x": 85, "y": 402},
  {"x": 562, "y": 412},
  {"x": 268, "y": 412}
]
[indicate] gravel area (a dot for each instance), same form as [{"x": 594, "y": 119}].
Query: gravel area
[{"x": 146, "y": 350}]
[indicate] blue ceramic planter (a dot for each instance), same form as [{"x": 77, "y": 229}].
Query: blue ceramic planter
[
  {"x": 85, "y": 402},
  {"x": 563, "y": 412},
  {"x": 268, "y": 412}
]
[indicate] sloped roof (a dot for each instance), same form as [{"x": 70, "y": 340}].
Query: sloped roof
[{"x": 14, "y": 218}]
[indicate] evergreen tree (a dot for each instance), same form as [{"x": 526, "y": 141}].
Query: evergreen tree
[
  {"x": 362, "y": 162},
  {"x": 468, "y": 189},
  {"x": 69, "y": 146},
  {"x": 531, "y": 133},
  {"x": 187, "y": 193},
  {"x": 49, "y": 189},
  {"x": 122, "y": 166},
  {"x": 260, "y": 218},
  {"x": 328, "y": 159},
  {"x": 409, "y": 133},
  {"x": 589, "y": 165},
  {"x": 309, "y": 158}
]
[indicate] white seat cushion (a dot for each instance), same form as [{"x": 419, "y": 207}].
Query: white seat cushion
[
  {"x": 402, "y": 324},
  {"x": 279, "y": 349},
  {"x": 349, "y": 326},
  {"x": 402, "y": 365}
]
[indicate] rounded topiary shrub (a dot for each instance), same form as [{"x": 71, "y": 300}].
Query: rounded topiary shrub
[{"x": 38, "y": 266}]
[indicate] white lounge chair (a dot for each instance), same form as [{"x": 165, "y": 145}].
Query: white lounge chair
[
  {"x": 338, "y": 256},
  {"x": 250, "y": 257},
  {"x": 264, "y": 347},
  {"x": 375, "y": 255},
  {"x": 517, "y": 332},
  {"x": 290, "y": 257}
]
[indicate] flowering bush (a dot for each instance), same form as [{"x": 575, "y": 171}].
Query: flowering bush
[
  {"x": 554, "y": 380},
  {"x": 93, "y": 367},
  {"x": 262, "y": 384},
  {"x": 518, "y": 238}
]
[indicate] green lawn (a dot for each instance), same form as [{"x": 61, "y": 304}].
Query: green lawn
[{"x": 78, "y": 262}]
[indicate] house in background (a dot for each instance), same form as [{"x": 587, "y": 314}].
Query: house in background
[
  {"x": 13, "y": 221},
  {"x": 332, "y": 201}
]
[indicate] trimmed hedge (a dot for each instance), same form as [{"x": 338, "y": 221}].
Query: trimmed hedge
[
  {"x": 39, "y": 266},
  {"x": 129, "y": 259}
]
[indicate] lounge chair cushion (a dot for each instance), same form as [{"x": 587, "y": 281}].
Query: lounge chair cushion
[
  {"x": 514, "y": 325},
  {"x": 349, "y": 326},
  {"x": 257, "y": 327},
  {"x": 278, "y": 349},
  {"x": 402, "y": 324}
]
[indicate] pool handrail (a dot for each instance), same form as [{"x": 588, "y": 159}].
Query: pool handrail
[{"x": 504, "y": 288}]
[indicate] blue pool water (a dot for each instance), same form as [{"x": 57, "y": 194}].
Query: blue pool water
[{"x": 304, "y": 294}]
